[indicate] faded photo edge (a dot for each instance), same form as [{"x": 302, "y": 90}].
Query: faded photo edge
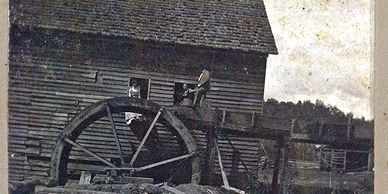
[{"x": 4, "y": 95}]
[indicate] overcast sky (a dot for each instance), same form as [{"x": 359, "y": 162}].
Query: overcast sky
[{"x": 324, "y": 53}]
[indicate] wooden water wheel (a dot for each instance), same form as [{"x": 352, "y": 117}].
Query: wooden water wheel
[{"x": 105, "y": 109}]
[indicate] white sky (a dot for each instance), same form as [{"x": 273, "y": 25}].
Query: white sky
[{"x": 324, "y": 53}]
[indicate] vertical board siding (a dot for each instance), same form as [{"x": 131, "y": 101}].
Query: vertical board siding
[{"x": 47, "y": 89}]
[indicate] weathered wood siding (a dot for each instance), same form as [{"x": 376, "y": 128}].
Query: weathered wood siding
[{"x": 53, "y": 77}]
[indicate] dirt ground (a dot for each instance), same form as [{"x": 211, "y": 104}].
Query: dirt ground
[
  {"x": 300, "y": 181},
  {"x": 199, "y": 189},
  {"x": 128, "y": 188}
]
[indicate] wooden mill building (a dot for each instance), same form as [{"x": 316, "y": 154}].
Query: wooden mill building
[{"x": 67, "y": 54}]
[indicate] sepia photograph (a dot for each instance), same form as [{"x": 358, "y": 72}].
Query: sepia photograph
[{"x": 191, "y": 97}]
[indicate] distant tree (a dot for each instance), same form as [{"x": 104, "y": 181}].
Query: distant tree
[{"x": 307, "y": 112}]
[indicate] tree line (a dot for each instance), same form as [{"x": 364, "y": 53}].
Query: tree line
[{"x": 307, "y": 112}]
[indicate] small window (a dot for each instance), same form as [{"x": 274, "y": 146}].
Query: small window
[
  {"x": 138, "y": 87},
  {"x": 179, "y": 92},
  {"x": 98, "y": 78}
]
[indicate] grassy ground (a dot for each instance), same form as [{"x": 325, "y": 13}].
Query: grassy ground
[{"x": 304, "y": 181}]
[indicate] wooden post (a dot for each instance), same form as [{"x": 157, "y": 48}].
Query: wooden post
[
  {"x": 210, "y": 157},
  {"x": 285, "y": 145},
  {"x": 284, "y": 178},
  {"x": 293, "y": 127},
  {"x": 349, "y": 128},
  {"x": 253, "y": 119},
  {"x": 320, "y": 128},
  {"x": 149, "y": 89},
  {"x": 223, "y": 117},
  {"x": 235, "y": 163},
  {"x": 275, "y": 175},
  {"x": 331, "y": 160},
  {"x": 345, "y": 159},
  {"x": 370, "y": 160}
]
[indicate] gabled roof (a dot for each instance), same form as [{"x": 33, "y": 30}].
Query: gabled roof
[{"x": 230, "y": 24}]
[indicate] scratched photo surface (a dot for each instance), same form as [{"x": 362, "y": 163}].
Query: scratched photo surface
[{"x": 212, "y": 97}]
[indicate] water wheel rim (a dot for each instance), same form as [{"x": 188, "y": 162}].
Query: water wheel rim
[{"x": 61, "y": 152}]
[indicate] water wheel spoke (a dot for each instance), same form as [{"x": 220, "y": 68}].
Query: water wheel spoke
[
  {"x": 115, "y": 134},
  {"x": 165, "y": 162},
  {"x": 146, "y": 136},
  {"x": 157, "y": 163},
  {"x": 90, "y": 152}
]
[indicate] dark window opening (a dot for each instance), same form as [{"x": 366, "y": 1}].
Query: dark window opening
[
  {"x": 98, "y": 77},
  {"x": 179, "y": 92},
  {"x": 139, "y": 88}
]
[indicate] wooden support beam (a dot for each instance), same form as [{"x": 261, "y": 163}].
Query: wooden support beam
[
  {"x": 275, "y": 176},
  {"x": 136, "y": 180},
  {"x": 146, "y": 136},
  {"x": 223, "y": 117},
  {"x": 115, "y": 134},
  {"x": 349, "y": 128},
  {"x": 284, "y": 178},
  {"x": 89, "y": 152},
  {"x": 223, "y": 174},
  {"x": 210, "y": 158},
  {"x": 225, "y": 181},
  {"x": 253, "y": 119}
]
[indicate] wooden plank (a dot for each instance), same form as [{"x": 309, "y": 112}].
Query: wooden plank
[
  {"x": 64, "y": 82},
  {"x": 240, "y": 107},
  {"x": 171, "y": 189},
  {"x": 233, "y": 98},
  {"x": 236, "y": 90},
  {"x": 233, "y": 190},
  {"x": 156, "y": 90},
  {"x": 137, "y": 180},
  {"x": 239, "y": 103},
  {"x": 69, "y": 87}
]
